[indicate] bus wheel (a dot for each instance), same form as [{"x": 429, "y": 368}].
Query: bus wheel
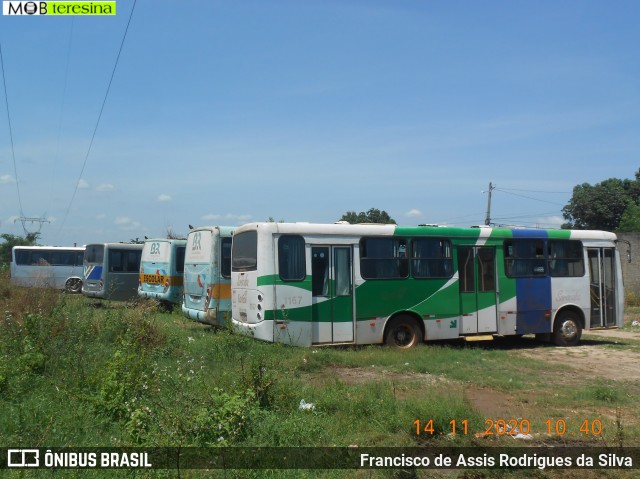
[
  {"x": 403, "y": 332},
  {"x": 74, "y": 285},
  {"x": 567, "y": 330}
]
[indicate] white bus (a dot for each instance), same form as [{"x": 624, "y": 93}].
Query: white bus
[
  {"x": 47, "y": 267},
  {"x": 111, "y": 270},
  {"x": 309, "y": 284},
  {"x": 162, "y": 269},
  {"x": 207, "y": 275}
]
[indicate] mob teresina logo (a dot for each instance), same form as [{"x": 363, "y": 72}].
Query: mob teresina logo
[{"x": 58, "y": 8}]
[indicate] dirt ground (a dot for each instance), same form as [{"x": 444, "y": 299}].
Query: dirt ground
[{"x": 594, "y": 357}]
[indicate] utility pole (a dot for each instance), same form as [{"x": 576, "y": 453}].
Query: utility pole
[
  {"x": 487, "y": 220},
  {"x": 24, "y": 221}
]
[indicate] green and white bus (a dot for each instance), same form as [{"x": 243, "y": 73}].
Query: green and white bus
[
  {"x": 207, "y": 275},
  {"x": 308, "y": 284}
]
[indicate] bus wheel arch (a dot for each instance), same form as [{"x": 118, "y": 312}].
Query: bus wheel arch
[
  {"x": 403, "y": 331},
  {"x": 73, "y": 285},
  {"x": 567, "y": 327}
]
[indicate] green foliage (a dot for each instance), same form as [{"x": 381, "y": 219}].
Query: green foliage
[
  {"x": 630, "y": 220},
  {"x": 12, "y": 240},
  {"x": 75, "y": 374},
  {"x": 604, "y": 206},
  {"x": 374, "y": 215}
]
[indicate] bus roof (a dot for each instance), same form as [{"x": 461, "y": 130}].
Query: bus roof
[
  {"x": 224, "y": 230},
  {"x": 166, "y": 240},
  {"x": 429, "y": 230},
  {"x": 73, "y": 248},
  {"x": 118, "y": 245}
]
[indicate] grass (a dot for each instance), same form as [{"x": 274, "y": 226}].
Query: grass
[{"x": 76, "y": 374}]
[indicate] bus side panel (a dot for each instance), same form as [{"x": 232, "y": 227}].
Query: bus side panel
[
  {"x": 294, "y": 312},
  {"x": 121, "y": 286},
  {"x": 533, "y": 296},
  {"x": 534, "y": 305},
  {"x": 507, "y": 290},
  {"x": 434, "y": 300},
  {"x": 572, "y": 291}
]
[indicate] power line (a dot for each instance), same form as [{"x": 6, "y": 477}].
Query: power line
[
  {"x": 13, "y": 153},
  {"x": 538, "y": 191},
  {"x": 527, "y": 197},
  {"x": 526, "y": 216},
  {"x": 104, "y": 101},
  {"x": 56, "y": 156}
]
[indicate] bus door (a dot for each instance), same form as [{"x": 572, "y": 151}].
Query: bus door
[
  {"x": 478, "y": 295},
  {"x": 602, "y": 279},
  {"x": 332, "y": 295}
]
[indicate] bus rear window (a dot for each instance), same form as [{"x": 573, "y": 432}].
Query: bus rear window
[
  {"x": 124, "y": 261},
  {"x": 245, "y": 251},
  {"x": 94, "y": 254}
]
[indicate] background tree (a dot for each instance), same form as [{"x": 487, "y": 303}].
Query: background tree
[
  {"x": 630, "y": 220},
  {"x": 11, "y": 240},
  {"x": 173, "y": 234},
  {"x": 603, "y": 205},
  {"x": 374, "y": 215}
]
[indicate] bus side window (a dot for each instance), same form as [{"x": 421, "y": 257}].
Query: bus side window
[
  {"x": 115, "y": 261},
  {"x": 291, "y": 260}
]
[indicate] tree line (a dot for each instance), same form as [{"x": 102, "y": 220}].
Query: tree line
[{"x": 611, "y": 205}]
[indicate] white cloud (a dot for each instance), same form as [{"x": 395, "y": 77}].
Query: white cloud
[
  {"x": 414, "y": 213},
  {"x": 127, "y": 223},
  {"x": 164, "y": 197},
  {"x": 227, "y": 218},
  {"x": 551, "y": 221},
  {"x": 106, "y": 187},
  {"x": 101, "y": 216},
  {"x": 6, "y": 180},
  {"x": 82, "y": 184}
]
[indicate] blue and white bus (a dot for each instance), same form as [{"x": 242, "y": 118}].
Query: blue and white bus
[
  {"x": 111, "y": 270},
  {"x": 47, "y": 267},
  {"x": 207, "y": 275},
  {"x": 162, "y": 269}
]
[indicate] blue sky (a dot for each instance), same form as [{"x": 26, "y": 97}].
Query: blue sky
[{"x": 225, "y": 112}]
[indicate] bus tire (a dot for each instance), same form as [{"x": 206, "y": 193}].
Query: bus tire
[
  {"x": 403, "y": 332},
  {"x": 73, "y": 285},
  {"x": 567, "y": 330}
]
